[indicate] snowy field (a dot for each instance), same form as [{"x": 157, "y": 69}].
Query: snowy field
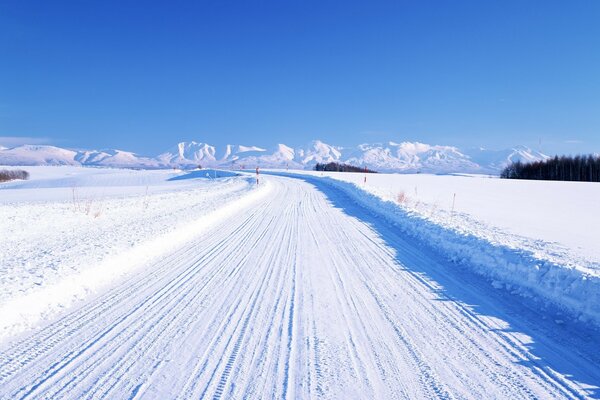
[
  {"x": 554, "y": 219},
  {"x": 70, "y": 231},
  {"x": 170, "y": 284},
  {"x": 534, "y": 238}
]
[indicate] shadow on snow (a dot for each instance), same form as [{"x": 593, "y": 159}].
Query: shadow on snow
[{"x": 571, "y": 349}]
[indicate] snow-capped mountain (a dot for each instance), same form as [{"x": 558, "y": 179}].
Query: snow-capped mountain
[
  {"x": 497, "y": 159},
  {"x": 386, "y": 157},
  {"x": 280, "y": 156},
  {"x": 37, "y": 155},
  {"x": 187, "y": 154},
  {"x": 318, "y": 152},
  {"x": 52, "y": 155},
  {"x": 114, "y": 158},
  {"x": 412, "y": 157}
]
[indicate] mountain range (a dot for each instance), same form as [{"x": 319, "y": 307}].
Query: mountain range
[{"x": 407, "y": 157}]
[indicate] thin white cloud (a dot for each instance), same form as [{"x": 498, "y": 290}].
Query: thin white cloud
[
  {"x": 574, "y": 141},
  {"x": 12, "y": 141}
]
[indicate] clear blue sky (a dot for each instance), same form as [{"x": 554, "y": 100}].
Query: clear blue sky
[{"x": 143, "y": 75}]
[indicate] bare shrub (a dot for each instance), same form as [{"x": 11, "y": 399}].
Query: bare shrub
[
  {"x": 434, "y": 208},
  {"x": 89, "y": 206},
  {"x": 75, "y": 199},
  {"x": 146, "y": 200},
  {"x": 401, "y": 198}
]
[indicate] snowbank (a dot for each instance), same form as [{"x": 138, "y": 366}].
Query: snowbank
[
  {"x": 572, "y": 288},
  {"x": 553, "y": 219},
  {"x": 71, "y": 231}
]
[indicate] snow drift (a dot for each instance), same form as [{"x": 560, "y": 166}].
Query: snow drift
[
  {"x": 71, "y": 232},
  {"x": 516, "y": 270}
]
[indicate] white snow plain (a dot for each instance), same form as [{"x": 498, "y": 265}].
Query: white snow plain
[
  {"x": 560, "y": 217},
  {"x": 300, "y": 287},
  {"x": 70, "y": 231}
]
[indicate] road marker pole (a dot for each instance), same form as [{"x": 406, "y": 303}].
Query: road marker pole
[{"x": 453, "y": 201}]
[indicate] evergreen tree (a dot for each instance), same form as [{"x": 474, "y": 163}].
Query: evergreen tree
[{"x": 578, "y": 168}]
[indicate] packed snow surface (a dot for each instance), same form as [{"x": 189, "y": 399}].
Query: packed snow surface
[
  {"x": 70, "y": 230},
  {"x": 299, "y": 288}
]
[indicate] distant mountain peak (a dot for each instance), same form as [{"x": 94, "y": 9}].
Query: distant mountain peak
[
  {"x": 245, "y": 149},
  {"x": 389, "y": 156}
]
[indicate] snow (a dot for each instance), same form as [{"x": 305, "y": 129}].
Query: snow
[
  {"x": 561, "y": 215},
  {"x": 281, "y": 156},
  {"x": 70, "y": 231},
  {"x": 406, "y": 157},
  {"x": 319, "y": 152},
  {"x": 193, "y": 153},
  {"x": 52, "y": 155},
  {"x": 244, "y": 149},
  {"x": 307, "y": 288},
  {"x": 535, "y": 238},
  {"x": 38, "y": 155},
  {"x": 411, "y": 157},
  {"x": 498, "y": 159}
]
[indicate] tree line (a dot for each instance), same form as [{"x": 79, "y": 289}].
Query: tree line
[
  {"x": 564, "y": 168},
  {"x": 9, "y": 175},
  {"x": 338, "y": 167}
]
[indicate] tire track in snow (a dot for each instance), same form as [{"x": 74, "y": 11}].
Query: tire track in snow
[
  {"x": 201, "y": 367},
  {"x": 300, "y": 297},
  {"x": 21, "y": 351},
  {"x": 212, "y": 278},
  {"x": 516, "y": 385},
  {"x": 183, "y": 276},
  {"x": 512, "y": 350}
]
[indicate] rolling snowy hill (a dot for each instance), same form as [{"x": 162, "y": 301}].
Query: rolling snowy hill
[
  {"x": 409, "y": 157},
  {"x": 51, "y": 155}
]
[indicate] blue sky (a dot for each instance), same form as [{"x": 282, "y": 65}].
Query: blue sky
[{"x": 142, "y": 76}]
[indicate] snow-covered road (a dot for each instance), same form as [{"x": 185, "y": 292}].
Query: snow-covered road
[{"x": 306, "y": 295}]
